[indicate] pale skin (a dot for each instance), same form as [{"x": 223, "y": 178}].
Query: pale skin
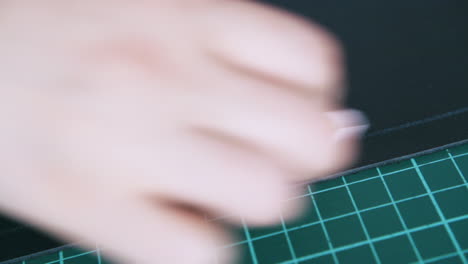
[{"x": 113, "y": 114}]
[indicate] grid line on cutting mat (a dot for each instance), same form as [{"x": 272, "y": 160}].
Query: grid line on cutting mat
[{"x": 335, "y": 221}]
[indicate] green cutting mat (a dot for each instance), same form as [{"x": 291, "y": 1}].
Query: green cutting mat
[{"x": 415, "y": 211}]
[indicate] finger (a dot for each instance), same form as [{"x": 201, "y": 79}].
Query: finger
[
  {"x": 270, "y": 42},
  {"x": 351, "y": 126},
  {"x": 210, "y": 174},
  {"x": 224, "y": 179},
  {"x": 289, "y": 127},
  {"x": 128, "y": 228},
  {"x": 195, "y": 169},
  {"x": 143, "y": 233}
]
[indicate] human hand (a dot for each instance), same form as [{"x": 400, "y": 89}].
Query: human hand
[{"x": 116, "y": 116}]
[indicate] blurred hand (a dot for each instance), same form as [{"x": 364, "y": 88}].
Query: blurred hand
[{"x": 115, "y": 113}]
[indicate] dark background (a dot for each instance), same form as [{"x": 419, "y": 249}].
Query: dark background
[{"x": 407, "y": 62}]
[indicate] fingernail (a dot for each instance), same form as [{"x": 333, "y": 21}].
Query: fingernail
[{"x": 349, "y": 123}]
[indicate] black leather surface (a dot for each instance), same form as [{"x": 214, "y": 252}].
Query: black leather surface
[{"x": 408, "y": 70}]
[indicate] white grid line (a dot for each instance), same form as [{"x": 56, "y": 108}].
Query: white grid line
[
  {"x": 364, "y": 228},
  {"x": 249, "y": 242},
  {"x": 98, "y": 255},
  {"x": 345, "y": 215},
  {"x": 61, "y": 257},
  {"x": 356, "y": 182},
  {"x": 439, "y": 212},
  {"x": 324, "y": 228},
  {"x": 377, "y": 239},
  {"x": 442, "y": 257},
  {"x": 400, "y": 217},
  {"x": 456, "y": 167},
  {"x": 71, "y": 257},
  {"x": 288, "y": 240},
  {"x": 444, "y": 222}
]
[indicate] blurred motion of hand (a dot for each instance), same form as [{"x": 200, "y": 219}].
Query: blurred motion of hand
[{"x": 115, "y": 113}]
